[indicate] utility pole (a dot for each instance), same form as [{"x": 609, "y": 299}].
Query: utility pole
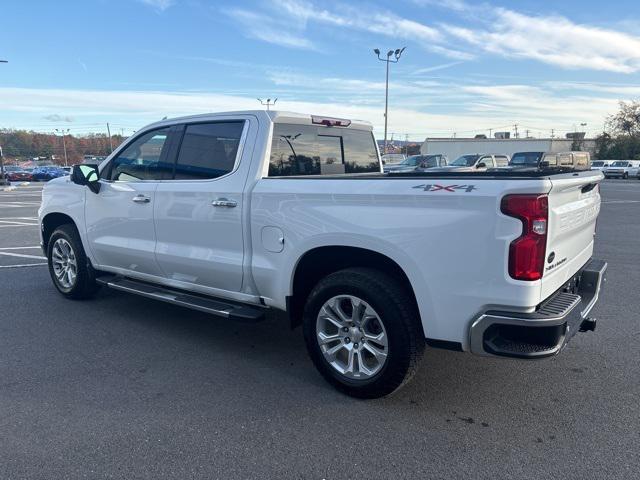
[
  {"x": 553, "y": 133},
  {"x": 63, "y": 132},
  {"x": 397, "y": 54},
  {"x": 516, "y": 128},
  {"x": 109, "y": 133},
  {"x": 526, "y": 132},
  {"x": 490, "y": 130},
  {"x": 268, "y": 103},
  {"x": 406, "y": 144}
]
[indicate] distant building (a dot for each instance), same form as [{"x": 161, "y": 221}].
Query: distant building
[{"x": 455, "y": 147}]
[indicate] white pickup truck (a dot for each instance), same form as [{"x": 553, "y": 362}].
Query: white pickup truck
[{"x": 239, "y": 213}]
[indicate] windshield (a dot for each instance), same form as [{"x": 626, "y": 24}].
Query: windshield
[
  {"x": 597, "y": 164},
  {"x": 465, "y": 161},
  {"x": 526, "y": 158},
  {"x": 620, "y": 164}
]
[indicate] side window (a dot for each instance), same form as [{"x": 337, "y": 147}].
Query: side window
[
  {"x": 310, "y": 150},
  {"x": 142, "y": 160},
  {"x": 501, "y": 161},
  {"x": 565, "y": 160},
  {"x": 208, "y": 150},
  {"x": 293, "y": 151},
  {"x": 488, "y": 161}
]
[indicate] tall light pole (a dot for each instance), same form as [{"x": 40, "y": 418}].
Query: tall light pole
[
  {"x": 63, "y": 132},
  {"x": 268, "y": 103},
  {"x": 396, "y": 57}
]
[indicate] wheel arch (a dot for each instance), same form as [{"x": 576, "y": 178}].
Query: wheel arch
[
  {"x": 50, "y": 222},
  {"x": 319, "y": 262}
]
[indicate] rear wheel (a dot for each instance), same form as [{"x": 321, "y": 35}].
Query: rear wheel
[
  {"x": 69, "y": 266},
  {"x": 362, "y": 332}
]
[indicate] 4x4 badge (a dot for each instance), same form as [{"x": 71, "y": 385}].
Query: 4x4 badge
[{"x": 446, "y": 188}]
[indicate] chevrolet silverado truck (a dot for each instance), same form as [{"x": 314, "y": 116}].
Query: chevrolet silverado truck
[{"x": 236, "y": 214}]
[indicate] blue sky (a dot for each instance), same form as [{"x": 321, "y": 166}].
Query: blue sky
[{"x": 468, "y": 67}]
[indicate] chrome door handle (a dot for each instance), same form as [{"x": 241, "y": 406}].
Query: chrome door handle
[
  {"x": 224, "y": 202},
  {"x": 141, "y": 199}
]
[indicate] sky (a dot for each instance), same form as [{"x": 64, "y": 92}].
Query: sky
[{"x": 468, "y": 68}]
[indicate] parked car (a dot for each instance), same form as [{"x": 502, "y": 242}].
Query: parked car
[
  {"x": 393, "y": 158},
  {"x": 44, "y": 174},
  {"x": 599, "y": 165},
  {"x": 475, "y": 163},
  {"x": 544, "y": 160},
  {"x": 622, "y": 169},
  {"x": 17, "y": 174},
  {"x": 235, "y": 214},
  {"x": 416, "y": 163}
]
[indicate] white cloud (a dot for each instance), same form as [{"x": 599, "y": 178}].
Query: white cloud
[
  {"x": 553, "y": 40},
  {"x": 286, "y": 22},
  {"x": 270, "y": 29},
  {"x": 160, "y": 5},
  {"x": 478, "y": 108}
]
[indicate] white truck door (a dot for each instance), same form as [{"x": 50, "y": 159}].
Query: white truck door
[
  {"x": 119, "y": 219},
  {"x": 199, "y": 211}
]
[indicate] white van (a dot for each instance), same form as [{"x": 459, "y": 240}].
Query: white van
[
  {"x": 622, "y": 169},
  {"x": 600, "y": 164}
]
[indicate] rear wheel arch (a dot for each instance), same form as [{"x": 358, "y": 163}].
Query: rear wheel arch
[{"x": 317, "y": 263}]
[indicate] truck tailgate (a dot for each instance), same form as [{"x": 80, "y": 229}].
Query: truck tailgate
[{"x": 574, "y": 204}]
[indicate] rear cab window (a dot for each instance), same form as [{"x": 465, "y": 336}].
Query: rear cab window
[{"x": 319, "y": 150}]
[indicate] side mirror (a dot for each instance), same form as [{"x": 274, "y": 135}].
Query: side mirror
[
  {"x": 544, "y": 164},
  {"x": 86, "y": 175},
  {"x": 481, "y": 165}
]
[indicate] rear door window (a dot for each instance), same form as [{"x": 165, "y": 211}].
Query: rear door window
[
  {"x": 501, "y": 161},
  {"x": 311, "y": 150},
  {"x": 208, "y": 150}
]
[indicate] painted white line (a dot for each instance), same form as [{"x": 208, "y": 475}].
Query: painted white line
[
  {"x": 23, "y": 255},
  {"x": 18, "y": 248},
  {"x": 23, "y": 265},
  {"x": 19, "y": 218},
  {"x": 14, "y": 223},
  {"x": 16, "y": 226},
  {"x": 621, "y": 201}
]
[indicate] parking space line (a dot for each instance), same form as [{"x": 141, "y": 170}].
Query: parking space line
[
  {"x": 16, "y": 226},
  {"x": 621, "y": 201},
  {"x": 18, "y": 248},
  {"x": 22, "y": 255},
  {"x": 23, "y": 265},
  {"x": 14, "y": 222}
]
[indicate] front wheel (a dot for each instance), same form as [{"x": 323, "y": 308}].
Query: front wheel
[
  {"x": 69, "y": 267},
  {"x": 362, "y": 332},
  {"x": 625, "y": 176}
]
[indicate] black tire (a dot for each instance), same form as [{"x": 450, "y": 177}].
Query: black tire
[
  {"x": 399, "y": 316},
  {"x": 625, "y": 176},
  {"x": 85, "y": 285}
]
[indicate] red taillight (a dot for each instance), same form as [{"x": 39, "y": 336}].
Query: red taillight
[{"x": 527, "y": 252}]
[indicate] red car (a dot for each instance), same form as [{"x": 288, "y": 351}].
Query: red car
[{"x": 17, "y": 174}]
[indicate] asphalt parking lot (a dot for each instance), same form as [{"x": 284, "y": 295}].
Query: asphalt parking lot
[{"x": 124, "y": 387}]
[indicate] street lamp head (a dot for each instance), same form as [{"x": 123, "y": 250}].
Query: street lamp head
[
  {"x": 376, "y": 51},
  {"x": 389, "y": 53},
  {"x": 399, "y": 52}
]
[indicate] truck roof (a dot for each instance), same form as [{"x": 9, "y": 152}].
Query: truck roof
[{"x": 275, "y": 116}]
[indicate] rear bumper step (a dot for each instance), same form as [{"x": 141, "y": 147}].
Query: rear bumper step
[
  {"x": 546, "y": 331},
  {"x": 214, "y": 306}
]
